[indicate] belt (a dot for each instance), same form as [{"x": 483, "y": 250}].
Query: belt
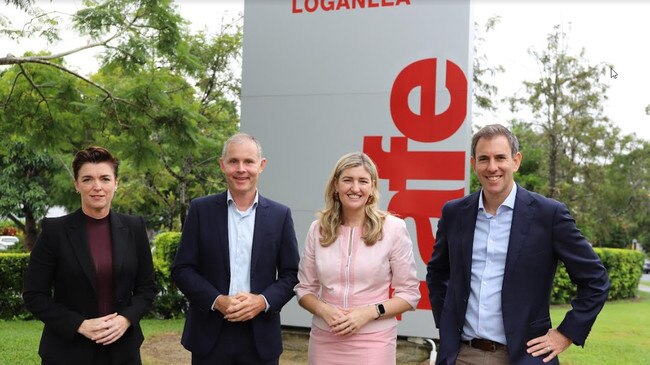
[{"x": 485, "y": 345}]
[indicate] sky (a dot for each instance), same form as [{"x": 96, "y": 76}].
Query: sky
[{"x": 611, "y": 32}]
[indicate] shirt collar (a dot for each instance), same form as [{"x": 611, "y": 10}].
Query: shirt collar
[
  {"x": 230, "y": 200},
  {"x": 509, "y": 202}
]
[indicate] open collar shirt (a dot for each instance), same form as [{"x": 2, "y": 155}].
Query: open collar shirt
[
  {"x": 241, "y": 226},
  {"x": 484, "y": 318}
]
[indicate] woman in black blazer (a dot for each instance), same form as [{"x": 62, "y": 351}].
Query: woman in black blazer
[{"x": 90, "y": 277}]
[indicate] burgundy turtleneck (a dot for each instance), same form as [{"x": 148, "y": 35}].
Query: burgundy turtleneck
[{"x": 99, "y": 238}]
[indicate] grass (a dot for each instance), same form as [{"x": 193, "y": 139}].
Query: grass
[
  {"x": 646, "y": 283},
  {"x": 620, "y": 336},
  {"x": 19, "y": 339},
  {"x": 19, "y": 342}
]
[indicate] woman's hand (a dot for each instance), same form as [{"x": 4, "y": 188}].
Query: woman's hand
[
  {"x": 104, "y": 330},
  {"x": 353, "y": 319},
  {"x": 329, "y": 313},
  {"x": 90, "y": 328}
]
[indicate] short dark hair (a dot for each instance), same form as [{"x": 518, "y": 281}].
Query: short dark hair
[
  {"x": 93, "y": 154},
  {"x": 492, "y": 130}
]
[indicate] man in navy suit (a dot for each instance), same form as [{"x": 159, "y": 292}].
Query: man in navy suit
[
  {"x": 491, "y": 272},
  {"x": 237, "y": 264}
]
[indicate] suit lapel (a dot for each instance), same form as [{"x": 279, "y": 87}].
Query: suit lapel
[
  {"x": 261, "y": 212},
  {"x": 119, "y": 242},
  {"x": 221, "y": 217},
  {"x": 78, "y": 240},
  {"x": 522, "y": 214},
  {"x": 468, "y": 226}
]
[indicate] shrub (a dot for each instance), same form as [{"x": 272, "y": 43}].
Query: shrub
[
  {"x": 8, "y": 231},
  {"x": 170, "y": 302},
  {"x": 12, "y": 270},
  {"x": 624, "y": 270}
]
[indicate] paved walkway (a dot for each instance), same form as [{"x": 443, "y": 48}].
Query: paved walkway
[{"x": 645, "y": 278}]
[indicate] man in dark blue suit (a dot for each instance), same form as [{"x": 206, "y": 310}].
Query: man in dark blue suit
[
  {"x": 491, "y": 272},
  {"x": 237, "y": 264}
]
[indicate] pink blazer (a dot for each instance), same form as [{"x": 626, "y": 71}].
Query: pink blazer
[{"x": 348, "y": 273}]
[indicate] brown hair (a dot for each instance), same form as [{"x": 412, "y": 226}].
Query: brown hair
[
  {"x": 93, "y": 154},
  {"x": 492, "y": 130}
]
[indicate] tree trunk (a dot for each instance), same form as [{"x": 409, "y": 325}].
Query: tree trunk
[
  {"x": 552, "y": 166},
  {"x": 182, "y": 187},
  {"x": 31, "y": 232}
]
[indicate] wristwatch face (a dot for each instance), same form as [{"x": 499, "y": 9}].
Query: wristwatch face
[{"x": 381, "y": 309}]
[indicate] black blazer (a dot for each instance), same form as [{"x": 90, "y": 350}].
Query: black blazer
[
  {"x": 61, "y": 260},
  {"x": 542, "y": 233},
  {"x": 201, "y": 271}
]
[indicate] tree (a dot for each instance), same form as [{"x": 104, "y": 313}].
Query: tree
[
  {"x": 20, "y": 4},
  {"x": 625, "y": 195},
  {"x": 580, "y": 157},
  {"x": 484, "y": 93},
  {"x": 25, "y": 175},
  {"x": 566, "y": 104},
  {"x": 163, "y": 101}
]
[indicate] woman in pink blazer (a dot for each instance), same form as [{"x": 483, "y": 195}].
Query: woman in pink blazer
[{"x": 354, "y": 254}]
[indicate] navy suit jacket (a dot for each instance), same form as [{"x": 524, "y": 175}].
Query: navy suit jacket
[
  {"x": 542, "y": 233},
  {"x": 62, "y": 260},
  {"x": 201, "y": 271}
]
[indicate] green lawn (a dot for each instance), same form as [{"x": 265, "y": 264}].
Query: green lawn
[
  {"x": 620, "y": 336},
  {"x": 19, "y": 339}
]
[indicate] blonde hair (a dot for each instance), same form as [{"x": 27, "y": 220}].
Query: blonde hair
[{"x": 331, "y": 217}]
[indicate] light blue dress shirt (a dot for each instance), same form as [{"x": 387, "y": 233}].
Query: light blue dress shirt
[
  {"x": 484, "y": 317},
  {"x": 241, "y": 226}
]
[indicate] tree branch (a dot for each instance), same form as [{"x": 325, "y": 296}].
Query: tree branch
[
  {"x": 16, "y": 221},
  {"x": 38, "y": 90}
]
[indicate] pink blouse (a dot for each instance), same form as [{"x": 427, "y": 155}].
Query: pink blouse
[{"x": 348, "y": 273}]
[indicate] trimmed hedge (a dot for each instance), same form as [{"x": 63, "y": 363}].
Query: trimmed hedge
[
  {"x": 12, "y": 270},
  {"x": 623, "y": 266}
]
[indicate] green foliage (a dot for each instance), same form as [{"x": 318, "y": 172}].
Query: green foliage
[
  {"x": 531, "y": 148},
  {"x": 563, "y": 289},
  {"x": 26, "y": 175},
  {"x": 484, "y": 93},
  {"x": 623, "y": 268},
  {"x": 166, "y": 246},
  {"x": 170, "y": 302},
  {"x": 572, "y": 152},
  {"x": 572, "y": 136},
  {"x": 12, "y": 270},
  {"x": 163, "y": 102}
]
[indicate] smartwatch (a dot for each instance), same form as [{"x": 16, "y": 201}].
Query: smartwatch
[{"x": 380, "y": 310}]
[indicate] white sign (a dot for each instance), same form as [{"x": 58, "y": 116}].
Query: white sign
[{"x": 391, "y": 78}]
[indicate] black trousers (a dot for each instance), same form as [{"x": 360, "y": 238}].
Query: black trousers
[
  {"x": 102, "y": 356},
  {"x": 236, "y": 346}
]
